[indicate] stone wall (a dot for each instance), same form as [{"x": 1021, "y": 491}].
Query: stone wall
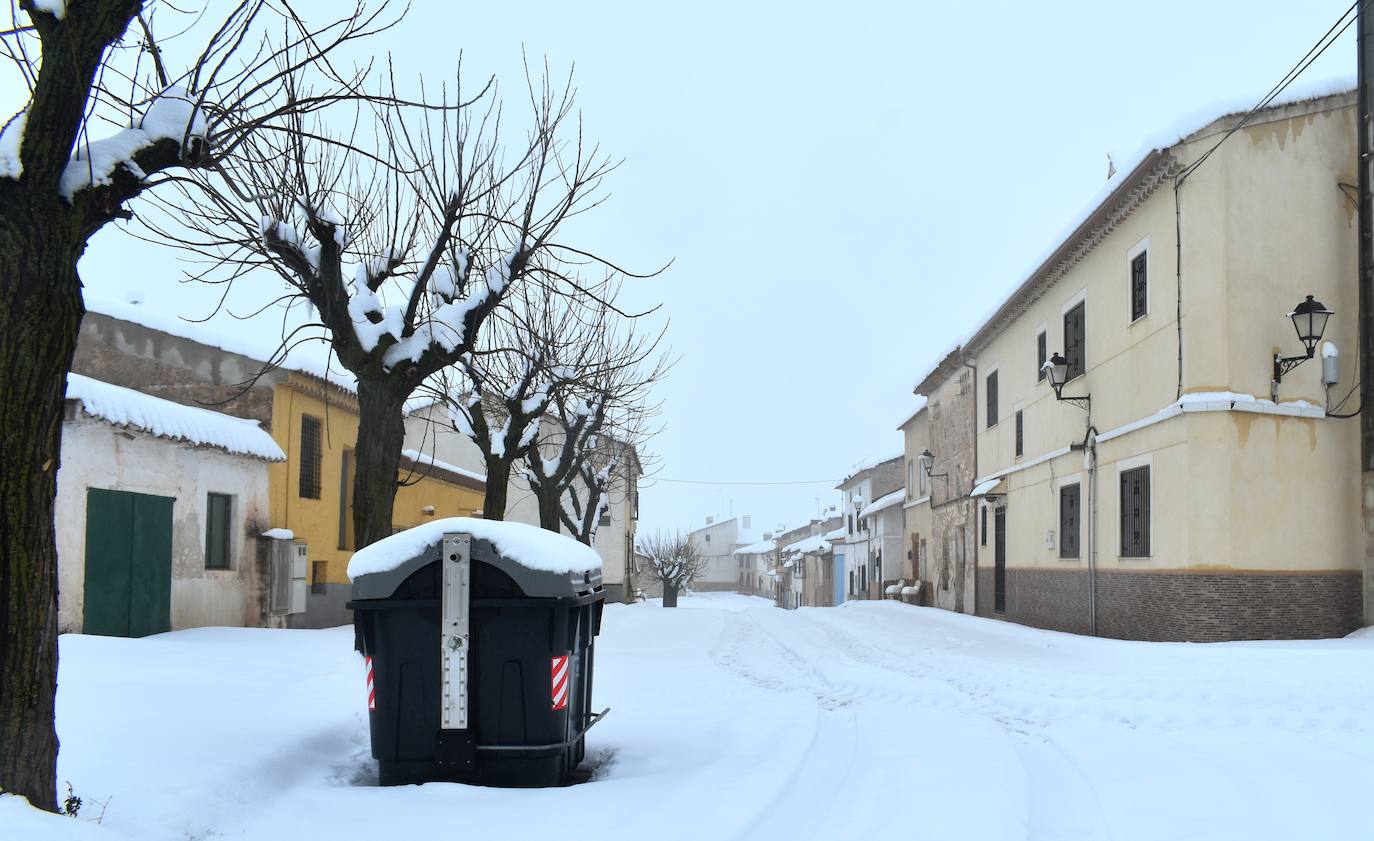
[{"x": 952, "y": 550}]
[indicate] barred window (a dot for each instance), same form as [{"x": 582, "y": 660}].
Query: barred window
[
  {"x": 1138, "y": 286},
  {"x": 1068, "y": 521},
  {"x": 311, "y": 457},
  {"x": 1135, "y": 513}
]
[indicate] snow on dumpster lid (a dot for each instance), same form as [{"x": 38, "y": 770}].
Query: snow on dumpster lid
[{"x": 529, "y": 546}]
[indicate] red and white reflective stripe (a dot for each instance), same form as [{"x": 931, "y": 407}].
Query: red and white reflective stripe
[
  {"x": 560, "y": 682},
  {"x": 371, "y": 690}
]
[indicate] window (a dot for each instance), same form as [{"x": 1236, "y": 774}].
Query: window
[
  {"x": 1135, "y": 513},
  {"x": 984, "y": 527},
  {"x": 1040, "y": 356},
  {"x": 1074, "y": 341},
  {"x": 311, "y": 456},
  {"x": 1139, "y": 300},
  {"x": 346, "y": 500},
  {"x": 910, "y": 479},
  {"x": 1020, "y": 435},
  {"x": 1068, "y": 521},
  {"x": 605, "y": 517},
  {"x": 992, "y": 399},
  {"x": 708, "y": 538},
  {"x": 218, "y": 508},
  {"x": 319, "y": 571},
  {"x": 850, "y": 518}
]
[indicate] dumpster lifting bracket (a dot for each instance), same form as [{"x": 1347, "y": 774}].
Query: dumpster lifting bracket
[{"x": 455, "y": 601}]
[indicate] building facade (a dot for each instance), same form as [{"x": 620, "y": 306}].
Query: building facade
[
  {"x": 858, "y": 559},
  {"x": 950, "y": 472},
  {"x": 916, "y": 512},
  {"x": 1193, "y": 497}
]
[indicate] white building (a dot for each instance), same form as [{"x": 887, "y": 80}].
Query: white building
[
  {"x": 716, "y": 542},
  {"x": 854, "y": 556},
  {"x": 159, "y": 512}
]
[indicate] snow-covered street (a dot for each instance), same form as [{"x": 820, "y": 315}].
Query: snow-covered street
[{"x": 733, "y": 719}]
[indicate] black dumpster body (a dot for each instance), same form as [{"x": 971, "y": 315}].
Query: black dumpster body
[{"x": 480, "y": 668}]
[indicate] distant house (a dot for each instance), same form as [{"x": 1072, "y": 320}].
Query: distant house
[
  {"x": 756, "y": 562},
  {"x": 159, "y": 512},
  {"x": 917, "y": 519},
  {"x": 859, "y": 558},
  {"x": 716, "y": 542}
]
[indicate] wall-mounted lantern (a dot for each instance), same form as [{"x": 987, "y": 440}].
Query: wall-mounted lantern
[
  {"x": 1056, "y": 370},
  {"x": 1309, "y": 319}
]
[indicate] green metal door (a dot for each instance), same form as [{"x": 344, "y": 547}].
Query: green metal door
[{"x": 128, "y": 563}]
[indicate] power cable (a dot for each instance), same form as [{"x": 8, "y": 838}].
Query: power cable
[
  {"x": 707, "y": 482},
  {"x": 1322, "y": 45}
]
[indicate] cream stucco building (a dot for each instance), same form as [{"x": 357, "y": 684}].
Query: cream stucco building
[{"x": 1197, "y": 499}]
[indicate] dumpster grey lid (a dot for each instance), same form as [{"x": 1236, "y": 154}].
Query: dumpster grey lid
[{"x": 529, "y": 546}]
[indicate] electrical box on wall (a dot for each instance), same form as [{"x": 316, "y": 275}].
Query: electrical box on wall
[{"x": 1049, "y": 539}]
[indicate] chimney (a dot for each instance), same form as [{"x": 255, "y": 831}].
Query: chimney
[
  {"x": 746, "y": 521},
  {"x": 710, "y": 520}
]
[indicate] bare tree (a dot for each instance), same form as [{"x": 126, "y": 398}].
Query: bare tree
[
  {"x": 156, "y": 108},
  {"x": 404, "y": 253},
  {"x": 597, "y": 417},
  {"x": 673, "y": 562}
]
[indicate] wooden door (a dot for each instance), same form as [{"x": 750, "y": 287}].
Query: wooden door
[{"x": 128, "y": 590}]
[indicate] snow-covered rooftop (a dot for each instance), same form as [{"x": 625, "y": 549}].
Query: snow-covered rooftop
[
  {"x": 529, "y": 546},
  {"x": 256, "y": 339},
  {"x": 815, "y": 543},
  {"x": 430, "y": 461},
  {"x": 760, "y": 548},
  {"x": 917, "y": 408},
  {"x": 882, "y": 503},
  {"x": 837, "y": 534},
  {"x": 165, "y": 419}
]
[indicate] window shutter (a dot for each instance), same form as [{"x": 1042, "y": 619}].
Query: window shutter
[
  {"x": 310, "y": 457},
  {"x": 984, "y": 525},
  {"x": 1068, "y": 521},
  {"x": 1020, "y": 437},
  {"x": 1135, "y": 513},
  {"x": 1138, "y": 288},
  {"x": 992, "y": 398},
  {"x": 1040, "y": 357},
  {"x": 1074, "y": 341}
]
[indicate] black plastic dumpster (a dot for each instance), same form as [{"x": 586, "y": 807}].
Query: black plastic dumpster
[{"x": 480, "y": 668}]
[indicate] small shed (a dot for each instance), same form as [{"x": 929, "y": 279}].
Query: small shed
[{"x": 158, "y": 512}]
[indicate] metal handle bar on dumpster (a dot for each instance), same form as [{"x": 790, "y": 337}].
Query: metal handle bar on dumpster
[
  {"x": 543, "y": 750},
  {"x": 413, "y": 604}
]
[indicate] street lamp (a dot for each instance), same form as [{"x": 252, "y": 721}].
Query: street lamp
[
  {"x": 928, "y": 463},
  {"x": 1056, "y": 370},
  {"x": 1309, "y": 319}
]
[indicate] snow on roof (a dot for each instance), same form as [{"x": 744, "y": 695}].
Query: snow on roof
[
  {"x": 815, "y": 543},
  {"x": 429, "y": 461},
  {"x": 760, "y": 548},
  {"x": 165, "y": 419},
  {"x": 882, "y": 503},
  {"x": 918, "y": 408},
  {"x": 279, "y": 534},
  {"x": 530, "y": 546},
  {"x": 1179, "y": 130},
  {"x": 837, "y": 534},
  {"x": 251, "y": 338}
]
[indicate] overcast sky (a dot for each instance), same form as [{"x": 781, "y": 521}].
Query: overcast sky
[{"x": 844, "y": 192}]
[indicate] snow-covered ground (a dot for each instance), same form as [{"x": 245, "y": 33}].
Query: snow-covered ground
[{"x": 733, "y": 719}]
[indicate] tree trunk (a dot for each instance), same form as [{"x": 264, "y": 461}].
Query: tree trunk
[
  {"x": 669, "y": 594},
  {"x": 40, "y": 314},
  {"x": 498, "y": 483},
  {"x": 549, "y": 511},
  {"x": 381, "y": 435}
]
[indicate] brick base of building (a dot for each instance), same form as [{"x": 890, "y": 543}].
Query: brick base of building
[{"x": 1181, "y": 605}]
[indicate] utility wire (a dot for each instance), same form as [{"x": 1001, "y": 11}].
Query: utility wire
[
  {"x": 1323, "y": 43},
  {"x": 706, "y": 482}
]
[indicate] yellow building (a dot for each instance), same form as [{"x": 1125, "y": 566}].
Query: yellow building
[{"x": 316, "y": 424}]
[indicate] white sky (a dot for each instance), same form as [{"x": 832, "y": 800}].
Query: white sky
[{"x": 844, "y": 192}]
